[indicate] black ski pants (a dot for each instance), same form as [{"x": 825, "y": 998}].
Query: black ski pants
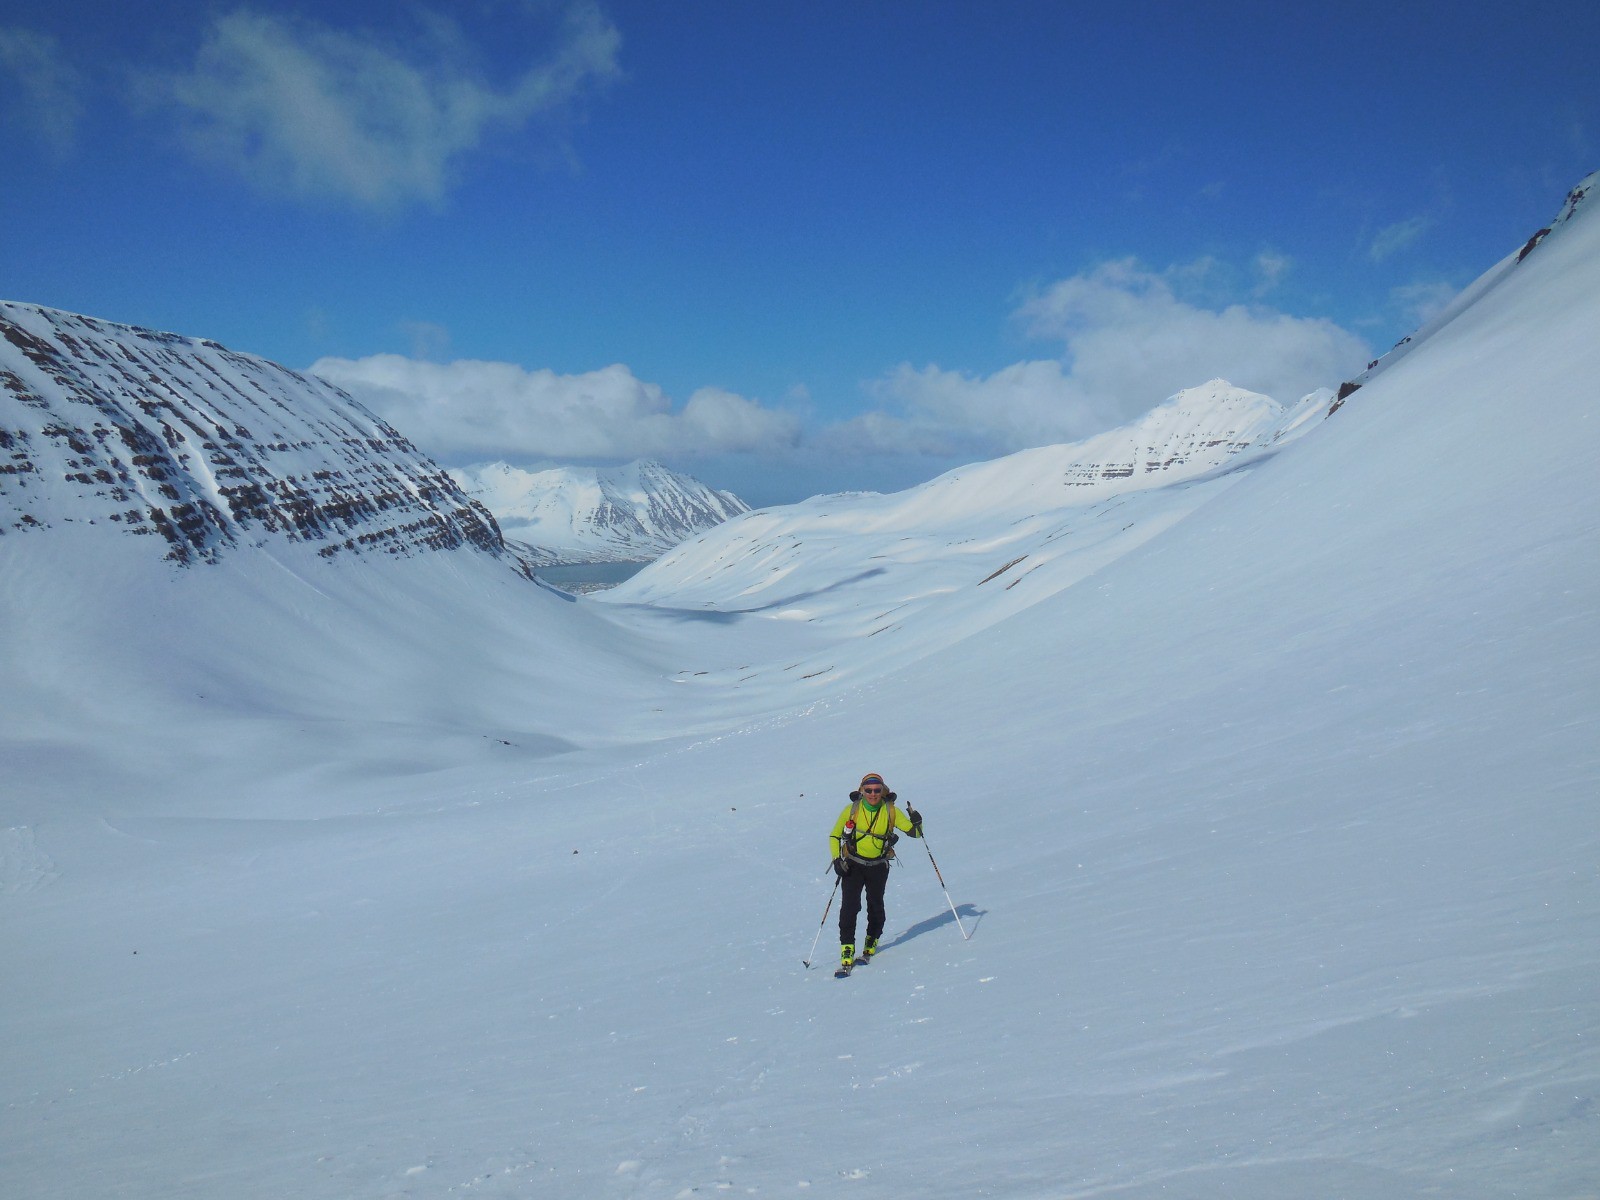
[{"x": 858, "y": 879}]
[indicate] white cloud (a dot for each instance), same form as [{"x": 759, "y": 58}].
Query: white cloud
[
  {"x": 1393, "y": 238},
  {"x": 43, "y": 93},
  {"x": 1130, "y": 340},
  {"x": 1421, "y": 302},
  {"x": 313, "y": 111},
  {"x": 1271, "y": 269},
  {"x": 943, "y": 412},
  {"x": 428, "y": 339},
  {"x": 474, "y": 411}
]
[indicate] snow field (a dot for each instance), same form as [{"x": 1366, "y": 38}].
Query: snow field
[{"x": 1275, "y": 832}]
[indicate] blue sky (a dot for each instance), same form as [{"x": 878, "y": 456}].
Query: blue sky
[{"x": 787, "y": 247}]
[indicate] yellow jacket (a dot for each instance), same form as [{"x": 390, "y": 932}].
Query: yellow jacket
[{"x": 872, "y": 830}]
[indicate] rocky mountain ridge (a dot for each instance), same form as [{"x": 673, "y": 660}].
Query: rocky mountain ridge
[
  {"x": 206, "y": 449},
  {"x": 1578, "y": 199},
  {"x": 631, "y": 513}
]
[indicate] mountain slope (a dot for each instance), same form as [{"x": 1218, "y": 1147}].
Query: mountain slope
[
  {"x": 206, "y": 448},
  {"x": 902, "y": 575},
  {"x": 1275, "y": 836},
  {"x": 591, "y": 514},
  {"x": 208, "y": 561},
  {"x": 1577, "y": 200}
]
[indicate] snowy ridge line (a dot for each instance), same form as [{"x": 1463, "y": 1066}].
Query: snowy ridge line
[
  {"x": 936, "y": 556},
  {"x": 205, "y": 449},
  {"x": 1577, "y": 200},
  {"x": 1188, "y": 437}
]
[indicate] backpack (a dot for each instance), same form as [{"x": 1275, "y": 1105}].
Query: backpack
[{"x": 889, "y": 837}]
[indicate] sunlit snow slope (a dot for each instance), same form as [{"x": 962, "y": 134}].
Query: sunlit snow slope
[
  {"x": 1275, "y": 833},
  {"x": 891, "y": 578},
  {"x": 218, "y": 570}
]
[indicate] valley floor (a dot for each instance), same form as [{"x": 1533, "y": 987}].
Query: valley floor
[{"x": 1333, "y": 938}]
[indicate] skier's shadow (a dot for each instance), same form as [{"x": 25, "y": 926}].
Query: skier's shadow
[{"x": 971, "y": 911}]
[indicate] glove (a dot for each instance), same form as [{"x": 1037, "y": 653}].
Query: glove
[
  {"x": 841, "y": 866},
  {"x": 916, "y": 821}
]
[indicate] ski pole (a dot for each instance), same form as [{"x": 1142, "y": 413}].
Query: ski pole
[
  {"x": 807, "y": 959},
  {"x": 964, "y": 935}
]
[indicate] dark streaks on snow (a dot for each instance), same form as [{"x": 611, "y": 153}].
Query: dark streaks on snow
[{"x": 208, "y": 449}]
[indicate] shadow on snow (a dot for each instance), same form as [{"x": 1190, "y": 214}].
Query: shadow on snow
[{"x": 945, "y": 918}]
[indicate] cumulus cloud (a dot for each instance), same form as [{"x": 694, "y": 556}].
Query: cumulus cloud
[
  {"x": 44, "y": 94},
  {"x": 303, "y": 108},
  {"x": 933, "y": 411},
  {"x": 470, "y": 411},
  {"x": 1393, "y": 238},
  {"x": 1130, "y": 339}
]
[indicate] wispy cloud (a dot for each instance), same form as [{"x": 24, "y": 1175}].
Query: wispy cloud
[
  {"x": 1270, "y": 269},
  {"x": 43, "y": 92},
  {"x": 471, "y": 411},
  {"x": 1421, "y": 302},
  {"x": 302, "y": 108},
  {"x": 428, "y": 339},
  {"x": 1393, "y": 238}
]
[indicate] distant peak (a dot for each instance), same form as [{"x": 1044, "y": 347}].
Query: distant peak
[
  {"x": 635, "y": 511},
  {"x": 1215, "y": 401}
]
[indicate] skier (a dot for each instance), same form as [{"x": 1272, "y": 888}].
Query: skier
[{"x": 862, "y": 846}]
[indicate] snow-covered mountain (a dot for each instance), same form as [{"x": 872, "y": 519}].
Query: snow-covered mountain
[
  {"x": 631, "y": 513},
  {"x": 205, "y": 448},
  {"x": 1267, "y": 798},
  {"x": 1578, "y": 199},
  {"x": 908, "y": 572},
  {"x": 199, "y": 546}
]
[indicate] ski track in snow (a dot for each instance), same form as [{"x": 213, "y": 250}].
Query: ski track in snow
[{"x": 23, "y": 866}]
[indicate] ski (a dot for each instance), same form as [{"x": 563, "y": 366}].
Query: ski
[{"x": 843, "y": 971}]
